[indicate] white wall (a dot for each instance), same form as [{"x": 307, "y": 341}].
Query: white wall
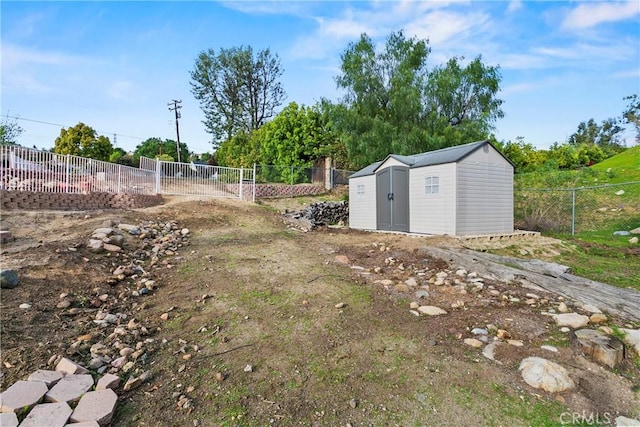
[
  {"x": 390, "y": 162},
  {"x": 362, "y": 207},
  {"x": 433, "y": 213},
  {"x": 485, "y": 194}
]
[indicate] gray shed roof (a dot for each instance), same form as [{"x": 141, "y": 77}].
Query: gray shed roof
[
  {"x": 367, "y": 170},
  {"x": 430, "y": 158}
]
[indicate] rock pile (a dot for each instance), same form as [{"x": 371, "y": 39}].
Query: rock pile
[
  {"x": 437, "y": 291},
  {"x": 116, "y": 340},
  {"x": 60, "y": 397},
  {"x": 320, "y": 214}
]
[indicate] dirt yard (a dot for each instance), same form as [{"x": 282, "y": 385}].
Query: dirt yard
[{"x": 253, "y": 322}]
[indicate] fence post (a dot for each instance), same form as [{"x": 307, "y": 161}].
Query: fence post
[
  {"x": 119, "y": 177},
  {"x": 331, "y": 172},
  {"x": 241, "y": 183},
  {"x": 573, "y": 211},
  {"x": 253, "y": 196},
  {"x": 66, "y": 175},
  {"x": 158, "y": 168}
]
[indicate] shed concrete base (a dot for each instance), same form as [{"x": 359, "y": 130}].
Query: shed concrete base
[{"x": 517, "y": 234}]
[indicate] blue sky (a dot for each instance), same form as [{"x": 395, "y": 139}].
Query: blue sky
[{"x": 116, "y": 65}]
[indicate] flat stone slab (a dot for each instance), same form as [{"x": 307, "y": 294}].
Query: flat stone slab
[
  {"x": 96, "y": 406},
  {"x": 8, "y": 419},
  {"x": 84, "y": 424},
  {"x": 48, "y": 414},
  {"x": 50, "y": 378},
  {"x": 70, "y": 388},
  {"x": 69, "y": 367},
  {"x": 108, "y": 381},
  {"x": 21, "y": 395}
]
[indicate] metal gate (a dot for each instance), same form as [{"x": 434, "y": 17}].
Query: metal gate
[
  {"x": 191, "y": 179},
  {"x": 392, "y": 199}
]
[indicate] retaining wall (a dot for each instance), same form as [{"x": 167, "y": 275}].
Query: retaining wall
[
  {"x": 62, "y": 201},
  {"x": 286, "y": 190}
]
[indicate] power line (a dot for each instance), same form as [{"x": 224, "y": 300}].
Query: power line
[
  {"x": 115, "y": 134},
  {"x": 66, "y": 126}
]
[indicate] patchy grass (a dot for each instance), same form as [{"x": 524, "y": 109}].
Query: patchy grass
[{"x": 600, "y": 256}]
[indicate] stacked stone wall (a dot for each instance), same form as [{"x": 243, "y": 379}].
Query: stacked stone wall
[
  {"x": 285, "y": 190},
  {"x": 29, "y": 200}
]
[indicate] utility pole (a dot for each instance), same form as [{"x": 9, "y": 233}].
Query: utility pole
[{"x": 175, "y": 106}]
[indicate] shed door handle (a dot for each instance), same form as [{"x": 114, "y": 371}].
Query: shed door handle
[{"x": 390, "y": 196}]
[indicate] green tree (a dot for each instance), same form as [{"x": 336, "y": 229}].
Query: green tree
[
  {"x": 607, "y": 135},
  {"x": 116, "y": 154},
  {"x": 565, "y": 156},
  {"x": 154, "y": 148},
  {"x": 296, "y": 137},
  {"x": 394, "y": 104},
  {"x": 10, "y": 131},
  {"x": 121, "y": 157},
  {"x": 631, "y": 115},
  {"x": 237, "y": 90},
  {"x": 239, "y": 151},
  {"x": 523, "y": 155},
  {"x": 382, "y": 110},
  {"x": 462, "y": 103},
  {"x": 82, "y": 140}
]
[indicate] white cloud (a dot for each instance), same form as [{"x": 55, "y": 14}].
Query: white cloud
[
  {"x": 518, "y": 88},
  {"x": 274, "y": 7},
  {"x": 441, "y": 27},
  {"x": 16, "y": 56},
  {"x": 39, "y": 71},
  {"x": 26, "y": 26},
  {"x": 626, "y": 74},
  {"x": 588, "y": 15},
  {"x": 120, "y": 90},
  {"x": 522, "y": 61},
  {"x": 514, "y": 6},
  {"x": 21, "y": 82},
  {"x": 424, "y": 20},
  {"x": 344, "y": 28},
  {"x": 582, "y": 52}
]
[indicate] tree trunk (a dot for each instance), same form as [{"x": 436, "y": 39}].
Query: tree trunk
[{"x": 545, "y": 276}]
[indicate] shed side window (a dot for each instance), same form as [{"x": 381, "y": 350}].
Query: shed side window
[
  {"x": 431, "y": 185},
  {"x": 360, "y": 189}
]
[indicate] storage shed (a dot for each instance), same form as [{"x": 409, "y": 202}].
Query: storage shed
[{"x": 462, "y": 190}]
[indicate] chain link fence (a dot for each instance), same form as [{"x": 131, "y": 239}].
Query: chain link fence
[{"x": 576, "y": 210}]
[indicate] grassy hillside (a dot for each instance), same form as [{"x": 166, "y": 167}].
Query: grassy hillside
[
  {"x": 599, "y": 212},
  {"x": 623, "y": 167}
]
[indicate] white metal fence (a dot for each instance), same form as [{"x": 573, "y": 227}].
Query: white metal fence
[
  {"x": 25, "y": 169},
  {"x": 200, "y": 179}
]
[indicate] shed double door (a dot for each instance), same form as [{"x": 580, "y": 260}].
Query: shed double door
[{"x": 392, "y": 199}]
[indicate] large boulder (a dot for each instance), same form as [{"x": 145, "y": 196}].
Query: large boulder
[
  {"x": 8, "y": 279},
  {"x": 546, "y": 375}
]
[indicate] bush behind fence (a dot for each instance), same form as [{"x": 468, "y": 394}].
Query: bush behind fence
[
  {"x": 292, "y": 175},
  {"x": 577, "y": 210}
]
